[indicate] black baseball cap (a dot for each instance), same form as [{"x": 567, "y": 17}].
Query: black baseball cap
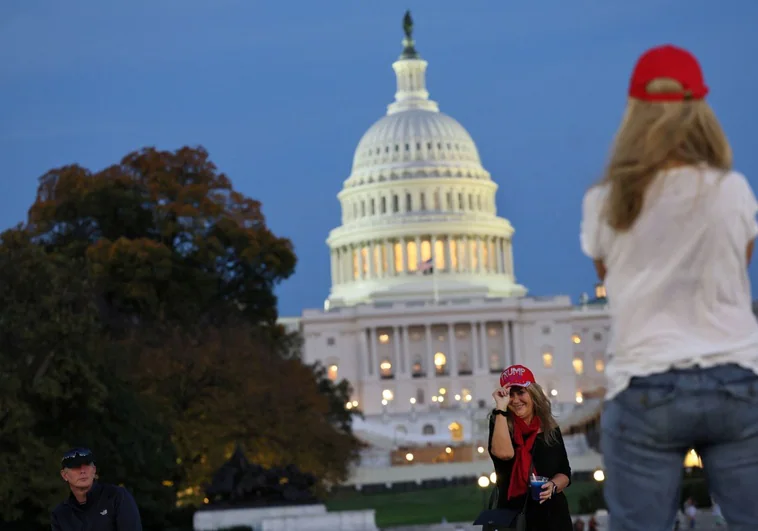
[{"x": 77, "y": 457}]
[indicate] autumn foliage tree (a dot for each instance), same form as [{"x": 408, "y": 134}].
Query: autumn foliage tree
[{"x": 171, "y": 273}]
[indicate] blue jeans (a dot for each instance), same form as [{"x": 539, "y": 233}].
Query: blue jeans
[{"x": 648, "y": 428}]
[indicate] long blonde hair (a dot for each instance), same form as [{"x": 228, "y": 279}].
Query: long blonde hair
[{"x": 652, "y": 136}]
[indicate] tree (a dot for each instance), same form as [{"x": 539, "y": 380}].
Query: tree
[
  {"x": 170, "y": 274},
  {"x": 54, "y": 376},
  {"x": 229, "y": 385},
  {"x": 166, "y": 239}
]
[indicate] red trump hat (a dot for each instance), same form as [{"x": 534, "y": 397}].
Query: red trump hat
[
  {"x": 517, "y": 375},
  {"x": 671, "y": 62}
]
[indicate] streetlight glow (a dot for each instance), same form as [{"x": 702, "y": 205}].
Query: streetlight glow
[
  {"x": 483, "y": 482},
  {"x": 598, "y": 475}
]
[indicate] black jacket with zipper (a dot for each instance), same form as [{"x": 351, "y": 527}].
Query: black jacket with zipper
[{"x": 108, "y": 508}]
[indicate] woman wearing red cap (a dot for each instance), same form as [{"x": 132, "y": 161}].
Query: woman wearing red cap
[
  {"x": 525, "y": 442},
  {"x": 670, "y": 228}
]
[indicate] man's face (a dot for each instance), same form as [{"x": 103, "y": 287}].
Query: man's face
[{"x": 80, "y": 477}]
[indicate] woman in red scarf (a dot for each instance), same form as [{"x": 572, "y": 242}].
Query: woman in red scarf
[{"x": 525, "y": 439}]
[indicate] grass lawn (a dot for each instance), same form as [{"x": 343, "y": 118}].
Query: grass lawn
[{"x": 456, "y": 504}]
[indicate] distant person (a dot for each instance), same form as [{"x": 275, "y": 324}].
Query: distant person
[
  {"x": 525, "y": 442},
  {"x": 592, "y": 524},
  {"x": 92, "y": 506},
  {"x": 579, "y": 525},
  {"x": 690, "y": 511},
  {"x": 671, "y": 229}
]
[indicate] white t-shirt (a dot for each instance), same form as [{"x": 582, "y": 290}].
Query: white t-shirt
[{"x": 677, "y": 283}]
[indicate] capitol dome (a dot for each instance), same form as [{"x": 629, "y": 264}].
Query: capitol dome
[
  {"x": 422, "y": 135},
  {"x": 419, "y": 219}
]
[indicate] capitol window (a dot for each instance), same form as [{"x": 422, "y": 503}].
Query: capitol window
[
  {"x": 578, "y": 364},
  {"x": 456, "y": 431},
  {"x": 417, "y": 369},
  {"x": 385, "y": 368},
  {"x": 384, "y": 338},
  {"x": 332, "y": 372},
  {"x": 440, "y": 362},
  {"x": 395, "y": 203},
  {"x": 599, "y": 365},
  {"x": 547, "y": 360},
  {"x": 576, "y": 339}
]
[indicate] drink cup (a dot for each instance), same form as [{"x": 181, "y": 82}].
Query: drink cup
[{"x": 536, "y": 483}]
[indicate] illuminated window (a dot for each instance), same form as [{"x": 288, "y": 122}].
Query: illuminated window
[
  {"x": 364, "y": 260},
  {"x": 412, "y": 256},
  {"x": 385, "y": 368},
  {"x": 456, "y": 431},
  {"x": 578, "y": 365},
  {"x": 440, "y": 362},
  {"x": 426, "y": 250},
  {"x": 384, "y": 338},
  {"x": 377, "y": 259},
  {"x": 492, "y": 332},
  {"x": 399, "y": 257},
  {"x": 466, "y": 394},
  {"x": 576, "y": 338},
  {"x": 453, "y": 255},
  {"x": 439, "y": 254},
  {"x": 473, "y": 254},
  {"x": 356, "y": 269},
  {"x": 547, "y": 360},
  {"x": 332, "y": 372},
  {"x": 599, "y": 365}
]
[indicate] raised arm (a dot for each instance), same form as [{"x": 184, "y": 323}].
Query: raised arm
[{"x": 500, "y": 444}]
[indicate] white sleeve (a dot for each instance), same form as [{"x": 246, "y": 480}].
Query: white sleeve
[
  {"x": 594, "y": 233},
  {"x": 742, "y": 200}
]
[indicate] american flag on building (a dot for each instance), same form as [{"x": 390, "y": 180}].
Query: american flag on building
[{"x": 426, "y": 267}]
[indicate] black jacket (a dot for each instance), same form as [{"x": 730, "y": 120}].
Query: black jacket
[{"x": 108, "y": 508}]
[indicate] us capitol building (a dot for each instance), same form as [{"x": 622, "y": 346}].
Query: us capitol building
[{"x": 425, "y": 310}]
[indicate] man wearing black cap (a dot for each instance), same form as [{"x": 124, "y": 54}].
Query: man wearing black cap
[{"x": 91, "y": 505}]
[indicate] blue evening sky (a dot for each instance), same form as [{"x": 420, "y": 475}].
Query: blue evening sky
[{"x": 280, "y": 92}]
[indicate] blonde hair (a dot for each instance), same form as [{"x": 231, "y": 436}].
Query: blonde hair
[
  {"x": 652, "y": 137},
  {"x": 542, "y": 410}
]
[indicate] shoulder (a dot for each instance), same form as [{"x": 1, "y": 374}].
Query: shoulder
[
  {"x": 594, "y": 198},
  {"x": 116, "y": 493},
  {"x": 61, "y": 508},
  {"x": 733, "y": 183}
]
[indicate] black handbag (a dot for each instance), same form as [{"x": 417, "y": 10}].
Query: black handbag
[
  {"x": 492, "y": 519},
  {"x": 502, "y": 519}
]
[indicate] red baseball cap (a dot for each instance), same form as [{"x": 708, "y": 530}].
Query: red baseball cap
[
  {"x": 671, "y": 62},
  {"x": 517, "y": 375}
]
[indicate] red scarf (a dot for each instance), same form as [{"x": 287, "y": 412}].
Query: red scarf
[{"x": 524, "y": 436}]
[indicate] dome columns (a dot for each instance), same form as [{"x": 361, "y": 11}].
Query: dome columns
[{"x": 451, "y": 254}]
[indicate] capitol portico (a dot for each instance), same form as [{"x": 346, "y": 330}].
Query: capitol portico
[{"x": 425, "y": 310}]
